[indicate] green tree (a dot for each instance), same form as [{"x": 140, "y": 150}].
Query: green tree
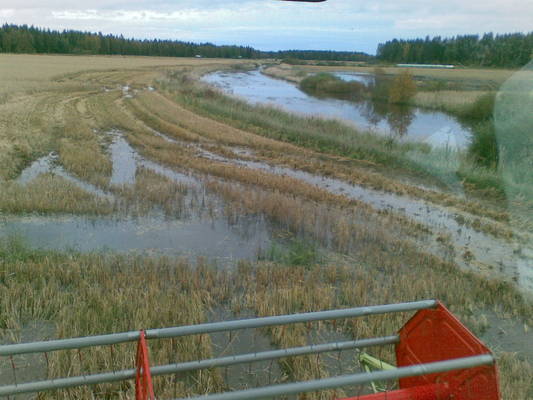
[{"x": 402, "y": 89}]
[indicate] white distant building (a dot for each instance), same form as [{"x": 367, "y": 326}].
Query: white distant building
[
  {"x": 425, "y": 66},
  {"x": 198, "y": 56}
]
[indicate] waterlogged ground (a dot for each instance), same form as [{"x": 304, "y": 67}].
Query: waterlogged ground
[
  {"x": 154, "y": 234},
  {"x": 432, "y": 127},
  {"x": 212, "y": 236},
  {"x": 472, "y": 249},
  {"x": 49, "y": 164},
  {"x": 216, "y": 238},
  {"x": 173, "y": 181}
]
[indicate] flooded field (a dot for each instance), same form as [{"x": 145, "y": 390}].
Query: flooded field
[
  {"x": 211, "y": 236},
  {"x": 472, "y": 249},
  {"x": 432, "y": 127},
  {"x": 492, "y": 255},
  {"x": 215, "y": 239},
  {"x": 155, "y": 203}
]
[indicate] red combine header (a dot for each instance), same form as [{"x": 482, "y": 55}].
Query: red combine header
[
  {"x": 437, "y": 358},
  {"x": 432, "y": 336}
]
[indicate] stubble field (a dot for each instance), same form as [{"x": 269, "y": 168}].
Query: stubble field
[{"x": 135, "y": 137}]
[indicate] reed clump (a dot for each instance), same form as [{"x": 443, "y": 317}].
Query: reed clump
[
  {"x": 324, "y": 84},
  {"x": 153, "y": 191}
]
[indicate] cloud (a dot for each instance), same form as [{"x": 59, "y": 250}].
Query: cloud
[
  {"x": 7, "y": 13},
  {"x": 190, "y": 16}
]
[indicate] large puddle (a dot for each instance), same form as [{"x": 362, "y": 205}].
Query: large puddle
[
  {"x": 154, "y": 234},
  {"x": 196, "y": 234},
  {"x": 49, "y": 164},
  {"x": 433, "y": 127}
]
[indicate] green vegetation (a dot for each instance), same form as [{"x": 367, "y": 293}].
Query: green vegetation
[
  {"x": 323, "y": 56},
  {"x": 402, "y": 88},
  {"x": 484, "y": 146},
  {"x": 501, "y": 50},
  {"x": 297, "y": 252},
  {"x": 481, "y": 110},
  {"x": 513, "y": 123},
  {"x": 398, "y": 90},
  {"x": 24, "y": 39},
  {"x": 324, "y": 84}
]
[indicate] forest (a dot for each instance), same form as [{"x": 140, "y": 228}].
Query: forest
[
  {"x": 489, "y": 50},
  {"x": 29, "y": 39},
  {"x": 509, "y": 50}
]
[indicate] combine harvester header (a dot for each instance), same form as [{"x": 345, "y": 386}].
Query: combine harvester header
[{"x": 437, "y": 358}]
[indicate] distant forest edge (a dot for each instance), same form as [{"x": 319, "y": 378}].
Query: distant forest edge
[
  {"x": 506, "y": 50},
  {"x": 28, "y": 39},
  {"x": 489, "y": 50}
]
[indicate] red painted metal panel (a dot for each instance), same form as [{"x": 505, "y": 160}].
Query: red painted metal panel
[
  {"x": 436, "y": 335},
  {"x": 427, "y": 392}
]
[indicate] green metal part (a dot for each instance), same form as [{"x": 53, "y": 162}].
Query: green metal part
[{"x": 370, "y": 363}]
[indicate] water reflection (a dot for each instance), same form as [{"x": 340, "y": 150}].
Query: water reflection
[
  {"x": 361, "y": 77},
  {"x": 398, "y": 117},
  {"x": 152, "y": 234},
  {"x": 405, "y": 123}
]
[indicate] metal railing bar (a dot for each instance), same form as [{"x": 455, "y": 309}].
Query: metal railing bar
[
  {"x": 350, "y": 380},
  {"x": 194, "y": 365},
  {"x": 273, "y": 355},
  {"x": 116, "y": 338}
]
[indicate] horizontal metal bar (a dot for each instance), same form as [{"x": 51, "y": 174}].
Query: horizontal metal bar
[
  {"x": 350, "y": 380},
  {"x": 272, "y": 355},
  {"x": 115, "y": 338},
  {"x": 193, "y": 365}
]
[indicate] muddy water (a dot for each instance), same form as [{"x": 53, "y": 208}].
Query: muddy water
[
  {"x": 432, "y": 127},
  {"x": 28, "y": 367},
  {"x": 243, "y": 341},
  {"x": 213, "y": 236},
  {"x": 148, "y": 235},
  {"x": 49, "y": 164},
  {"x": 124, "y": 161},
  {"x": 473, "y": 250}
]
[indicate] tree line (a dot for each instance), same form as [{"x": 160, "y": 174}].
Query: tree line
[
  {"x": 29, "y": 39},
  {"x": 489, "y": 50}
]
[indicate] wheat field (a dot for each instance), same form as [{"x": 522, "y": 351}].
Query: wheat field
[{"x": 337, "y": 251}]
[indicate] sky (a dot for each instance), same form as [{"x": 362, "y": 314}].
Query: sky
[{"x": 350, "y": 25}]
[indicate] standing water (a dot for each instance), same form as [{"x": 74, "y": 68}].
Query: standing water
[
  {"x": 195, "y": 234},
  {"x": 432, "y": 127}
]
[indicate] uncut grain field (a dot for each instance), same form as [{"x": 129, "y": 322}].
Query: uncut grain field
[{"x": 133, "y": 195}]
